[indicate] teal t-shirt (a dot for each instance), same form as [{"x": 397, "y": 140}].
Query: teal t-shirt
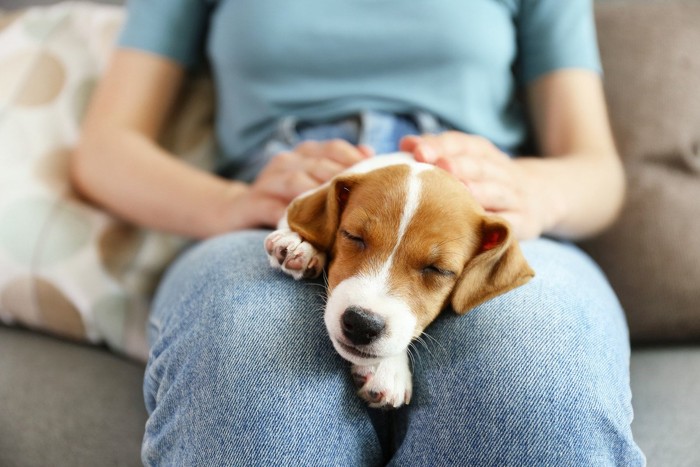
[{"x": 461, "y": 60}]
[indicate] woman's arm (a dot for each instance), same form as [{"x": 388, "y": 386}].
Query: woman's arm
[
  {"x": 119, "y": 165},
  {"x": 580, "y": 166},
  {"x": 573, "y": 191}
]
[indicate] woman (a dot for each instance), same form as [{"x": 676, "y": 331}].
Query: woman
[{"x": 241, "y": 371}]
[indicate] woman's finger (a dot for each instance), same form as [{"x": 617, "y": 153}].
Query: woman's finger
[
  {"x": 409, "y": 143},
  {"x": 476, "y": 169},
  {"x": 323, "y": 170},
  {"x": 494, "y": 197},
  {"x": 429, "y": 148},
  {"x": 337, "y": 150},
  {"x": 284, "y": 184},
  {"x": 366, "y": 150}
]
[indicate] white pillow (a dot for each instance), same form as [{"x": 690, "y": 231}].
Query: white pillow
[{"x": 66, "y": 267}]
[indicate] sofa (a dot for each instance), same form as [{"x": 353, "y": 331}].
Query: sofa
[{"x": 71, "y": 402}]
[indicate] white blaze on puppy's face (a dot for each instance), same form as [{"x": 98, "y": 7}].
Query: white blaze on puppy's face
[{"x": 398, "y": 252}]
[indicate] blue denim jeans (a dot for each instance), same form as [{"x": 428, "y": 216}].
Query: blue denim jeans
[
  {"x": 241, "y": 370},
  {"x": 379, "y": 130}
]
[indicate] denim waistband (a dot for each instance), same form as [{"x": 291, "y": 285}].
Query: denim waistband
[{"x": 380, "y": 130}]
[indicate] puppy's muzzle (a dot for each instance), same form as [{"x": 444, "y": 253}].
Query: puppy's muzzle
[{"x": 361, "y": 326}]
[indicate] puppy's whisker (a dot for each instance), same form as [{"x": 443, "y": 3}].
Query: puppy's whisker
[
  {"x": 317, "y": 317},
  {"x": 419, "y": 340},
  {"x": 413, "y": 353},
  {"x": 319, "y": 287},
  {"x": 322, "y": 295},
  {"x": 441, "y": 350},
  {"x": 434, "y": 341},
  {"x": 411, "y": 357}
]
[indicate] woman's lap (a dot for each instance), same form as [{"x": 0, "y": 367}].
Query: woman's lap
[
  {"x": 242, "y": 369},
  {"x": 534, "y": 377}
]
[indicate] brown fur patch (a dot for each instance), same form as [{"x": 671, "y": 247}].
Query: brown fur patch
[
  {"x": 439, "y": 240},
  {"x": 373, "y": 213}
]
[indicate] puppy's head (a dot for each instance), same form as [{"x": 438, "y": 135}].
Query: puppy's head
[{"x": 404, "y": 241}]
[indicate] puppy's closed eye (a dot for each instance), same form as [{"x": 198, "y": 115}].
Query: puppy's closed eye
[
  {"x": 357, "y": 240},
  {"x": 433, "y": 270}
]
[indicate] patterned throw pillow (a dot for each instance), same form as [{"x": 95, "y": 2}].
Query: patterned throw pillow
[{"x": 66, "y": 267}]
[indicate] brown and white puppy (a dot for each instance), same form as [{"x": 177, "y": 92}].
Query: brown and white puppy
[{"x": 403, "y": 240}]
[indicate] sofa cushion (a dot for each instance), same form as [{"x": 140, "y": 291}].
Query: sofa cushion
[
  {"x": 63, "y": 404},
  {"x": 67, "y": 267},
  {"x": 652, "y": 81},
  {"x": 665, "y": 382}
]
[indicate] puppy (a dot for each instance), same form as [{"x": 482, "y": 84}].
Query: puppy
[{"x": 402, "y": 240}]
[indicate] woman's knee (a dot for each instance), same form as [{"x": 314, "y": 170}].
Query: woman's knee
[
  {"x": 545, "y": 365},
  {"x": 241, "y": 357},
  {"x": 226, "y": 282},
  {"x": 222, "y": 297},
  {"x": 566, "y": 313}
]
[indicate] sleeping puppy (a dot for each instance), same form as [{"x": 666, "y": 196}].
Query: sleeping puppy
[{"x": 402, "y": 240}]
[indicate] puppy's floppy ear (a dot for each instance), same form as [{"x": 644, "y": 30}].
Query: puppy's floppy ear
[
  {"x": 316, "y": 216},
  {"x": 497, "y": 267}
]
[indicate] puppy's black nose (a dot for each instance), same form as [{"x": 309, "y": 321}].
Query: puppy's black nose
[{"x": 361, "y": 326}]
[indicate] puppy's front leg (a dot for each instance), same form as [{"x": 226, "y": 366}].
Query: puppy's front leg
[
  {"x": 289, "y": 252},
  {"x": 385, "y": 384}
]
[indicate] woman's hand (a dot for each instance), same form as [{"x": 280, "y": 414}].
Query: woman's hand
[
  {"x": 573, "y": 191},
  {"x": 307, "y": 166},
  {"x": 292, "y": 173},
  {"x": 119, "y": 165},
  {"x": 499, "y": 183}
]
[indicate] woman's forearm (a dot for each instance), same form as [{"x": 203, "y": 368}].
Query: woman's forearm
[
  {"x": 118, "y": 165},
  {"x": 581, "y": 194},
  {"x": 580, "y": 174},
  {"x": 128, "y": 174}
]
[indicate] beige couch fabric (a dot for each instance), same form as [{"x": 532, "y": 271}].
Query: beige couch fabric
[{"x": 652, "y": 82}]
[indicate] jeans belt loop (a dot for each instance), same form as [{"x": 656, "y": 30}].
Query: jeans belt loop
[
  {"x": 287, "y": 131},
  {"x": 427, "y": 122},
  {"x": 364, "y": 119}
]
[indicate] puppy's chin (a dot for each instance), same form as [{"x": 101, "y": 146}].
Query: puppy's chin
[
  {"x": 369, "y": 293},
  {"x": 355, "y": 355},
  {"x": 365, "y": 356}
]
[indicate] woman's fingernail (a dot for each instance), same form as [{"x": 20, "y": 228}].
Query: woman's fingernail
[
  {"x": 426, "y": 153},
  {"x": 366, "y": 151},
  {"x": 444, "y": 164},
  {"x": 408, "y": 143}
]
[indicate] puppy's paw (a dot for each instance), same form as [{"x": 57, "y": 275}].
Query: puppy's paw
[
  {"x": 387, "y": 384},
  {"x": 287, "y": 251}
]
